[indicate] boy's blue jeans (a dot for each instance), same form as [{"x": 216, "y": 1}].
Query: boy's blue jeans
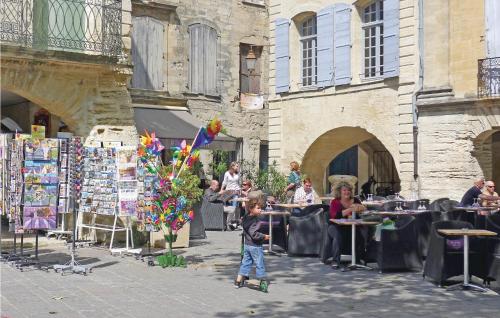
[{"x": 253, "y": 255}]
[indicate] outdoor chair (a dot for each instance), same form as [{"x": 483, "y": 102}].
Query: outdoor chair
[
  {"x": 197, "y": 228},
  {"x": 457, "y": 215},
  {"x": 445, "y": 255},
  {"x": 279, "y": 230},
  {"x": 398, "y": 248},
  {"x": 436, "y": 204},
  {"x": 305, "y": 231},
  {"x": 312, "y": 208},
  {"x": 492, "y": 264},
  {"x": 424, "y": 222},
  {"x": 212, "y": 214},
  {"x": 448, "y": 205}
]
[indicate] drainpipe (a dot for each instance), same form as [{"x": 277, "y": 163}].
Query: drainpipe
[{"x": 419, "y": 89}]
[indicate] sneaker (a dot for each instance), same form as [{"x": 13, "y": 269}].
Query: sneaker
[
  {"x": 238, "y": 284},
  {"x": 264, "y": 286}
]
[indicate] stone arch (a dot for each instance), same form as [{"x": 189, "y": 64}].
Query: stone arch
[
  {"x": 92, "y": 99},
  {"x": 329, "y": 145}
]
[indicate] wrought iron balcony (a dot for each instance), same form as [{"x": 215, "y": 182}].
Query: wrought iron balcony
[
  {"x": 84, "y": 26},
  {"x": 488, "y": 82}
]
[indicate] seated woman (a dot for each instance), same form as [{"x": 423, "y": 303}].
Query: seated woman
[{"x": 342, "y": 207}]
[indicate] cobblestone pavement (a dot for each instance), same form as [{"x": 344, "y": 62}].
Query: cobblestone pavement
[{"x": 300, "y": 287}]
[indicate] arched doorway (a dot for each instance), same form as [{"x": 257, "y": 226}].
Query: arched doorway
[
  {"x": 487, "y": 152},
  {"x": 19, "y": 113},
  {"x": 354, "y": 151}
]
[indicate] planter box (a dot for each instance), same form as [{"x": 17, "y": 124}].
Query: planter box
[{"x": 158, "y": 240}]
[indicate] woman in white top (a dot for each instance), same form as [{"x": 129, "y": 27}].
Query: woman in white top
[
  {"x": 231, "y": 180},
  {"x": 231, "y": 184}
]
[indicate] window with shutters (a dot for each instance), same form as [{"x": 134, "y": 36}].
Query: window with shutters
[
  {"x": 373, "y": 36},
  {"x": 203, "y": 59},
  {"x": 147, "y": 53},
  {"x": 250, "y": 79},
  {"x": 309, "y": 60}
]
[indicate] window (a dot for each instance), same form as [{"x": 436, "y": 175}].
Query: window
[
  {"x": 373, "y": 33},
  {"x": 147, "y": 53},
  {"x": 308, "y": 52},
  {"x": 250, "y": 80},
  {"x": 203, "y": 59}
]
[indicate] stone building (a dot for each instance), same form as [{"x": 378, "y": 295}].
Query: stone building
[
  {"x": 459, "y": 103},
  {"x": 64, "y": 64},
  {"x": 107, "y": 68},
  {"x": 341, "y": 83},
  {"x": 191, "y": 56},
  {"x": 386, "y": 88}
]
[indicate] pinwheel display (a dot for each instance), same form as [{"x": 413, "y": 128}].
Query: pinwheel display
[{"x": 177, "y": 187}]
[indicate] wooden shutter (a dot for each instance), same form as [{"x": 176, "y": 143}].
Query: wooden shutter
[
  {"x": 147, "y": 53},
  {"x": 254, "y": 85},
  {"x": 210, "y": 62},
  {"x": 244, "y": 74},
  {"x": 492, "y": 20},
  {"x": 195, "y": 58},
  {"x": 282, "y": 56},
  {"x": 325, "y": 46},
  {"x": 391, "y": 38},
  {"x": 342, "y": 42}
]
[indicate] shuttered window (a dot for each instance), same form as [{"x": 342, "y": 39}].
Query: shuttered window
[
  {"x": 203, "y": 59},
  {"x": 250, "y": 79},
  {"x": 147, "y": 53},
  {"x": 309, "y": 57},
  {"x": 373, "y": 36},
  {"x": 492, "y": 20}
]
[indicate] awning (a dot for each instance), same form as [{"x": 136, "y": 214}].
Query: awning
[{"x": 173, "y": 126}]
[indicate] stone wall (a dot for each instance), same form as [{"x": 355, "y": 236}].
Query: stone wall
[
  {"x": 87, "y": 92},
  {"x": 236, "y": 22},
  {"x": 304, "y": 125},
  {"x": 455, "y": 147}
]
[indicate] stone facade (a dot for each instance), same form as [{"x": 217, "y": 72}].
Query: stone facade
[
  {"x": 314, "y": 126},
  {"x": 457, "y": 130},
  {"x": 236, "y": 22},
  {"x": 87, "y": 91}
]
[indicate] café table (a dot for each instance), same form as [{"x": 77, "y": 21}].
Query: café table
[
  {"x": 373, "y": 204},
  {"x": 479, "y": 217},
  {"x": 271, "y": 214},
  {"x": 395, "y": 213},
  {"x": 353, "y": 223},
  {"x": 466, "y": 233}
]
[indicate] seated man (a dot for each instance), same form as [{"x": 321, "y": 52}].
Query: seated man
[
  {"x": 305, "y": 194},
  {"x": 490, "y": 191},
  {"x": 475, "y": 193},
  {"x": 212, "y": 193}
]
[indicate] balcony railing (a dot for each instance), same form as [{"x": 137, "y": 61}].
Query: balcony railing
[
  {"x": 488, "y": 83},
  {"x": 84, "y": 26}
]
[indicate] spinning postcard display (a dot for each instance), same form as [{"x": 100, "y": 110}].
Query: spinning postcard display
[{"x": 41, "y": 183}]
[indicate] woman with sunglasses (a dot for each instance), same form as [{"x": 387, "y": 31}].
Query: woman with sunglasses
[{"x": 490, "y": 191}]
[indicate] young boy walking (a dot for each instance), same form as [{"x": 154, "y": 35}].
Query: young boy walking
[{"x": 252, "y": 251}]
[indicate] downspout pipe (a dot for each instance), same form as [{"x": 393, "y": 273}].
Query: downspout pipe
[{"x": 419, "y": 87}]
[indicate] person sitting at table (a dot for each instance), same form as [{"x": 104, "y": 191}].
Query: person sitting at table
[
  {"x": 305, "y": 194},
  {"x": 212, "y": 193},
  {"x": 490, "y": 191},
  {"x": 475, "y": 193},
  {"x": 342, "y": 207},
  {"x": 246, "y": 187}
]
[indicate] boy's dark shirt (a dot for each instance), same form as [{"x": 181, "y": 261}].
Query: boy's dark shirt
[{"x": 251, "y": 232}]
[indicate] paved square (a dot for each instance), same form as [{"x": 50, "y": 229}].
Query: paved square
[{"x": 300, "y": 287}]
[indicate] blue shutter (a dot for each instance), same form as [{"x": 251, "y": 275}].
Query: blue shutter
[
  {"x": 391, "y": 38},
  {"x": 282, "y": 56},
  {"x": 324, "y": 20},
  {"x": 342, "y": 41},
  {"x": 492, "y": 12}
]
